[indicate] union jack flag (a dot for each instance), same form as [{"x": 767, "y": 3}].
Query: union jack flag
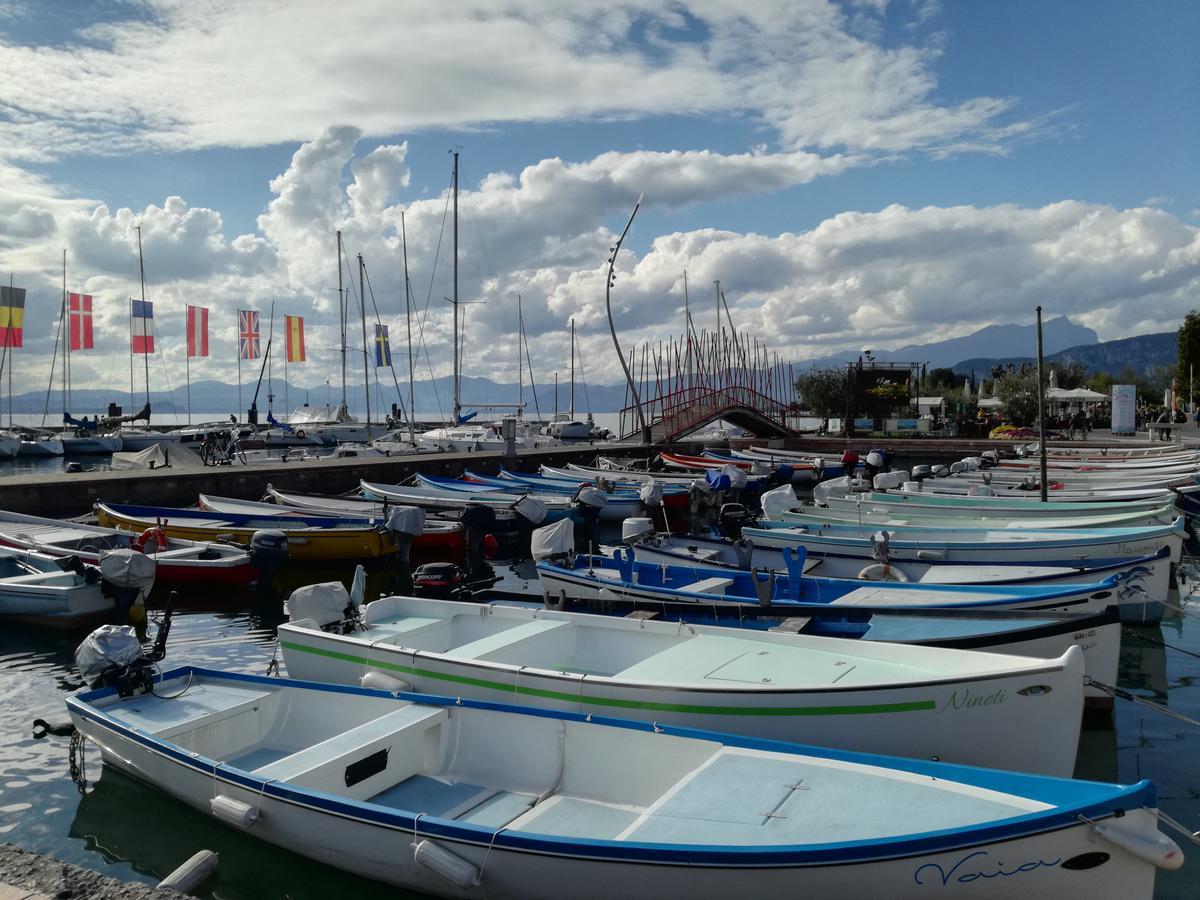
[{"x": 248, "y": 334}]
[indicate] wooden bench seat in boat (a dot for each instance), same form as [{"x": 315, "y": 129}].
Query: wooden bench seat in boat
[
  {"x": 507, "y": 639},
  {"x": 706, "y": 586},
  {"x": 400, "y": 736}
]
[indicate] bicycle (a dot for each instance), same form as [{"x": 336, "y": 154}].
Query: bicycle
[{"x": 221, "y": 448}]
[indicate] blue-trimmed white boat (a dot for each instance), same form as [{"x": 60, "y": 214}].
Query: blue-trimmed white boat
[
  {"x": 467, "y": 799},
  {"x": 926, "y": 702}
]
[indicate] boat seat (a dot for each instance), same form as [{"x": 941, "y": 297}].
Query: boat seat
[
  {"x": 577, "y": 817},
  {"x": 329, "y": 753},
  {"x": 503, "y": 640},
  {"x": 792, "y": 625},
  {"x": 66, "y": 579},
  {"x": 201, "y": 706},
  {"x": 398, "y": 632},
  {"x": 706, "y": 586}
]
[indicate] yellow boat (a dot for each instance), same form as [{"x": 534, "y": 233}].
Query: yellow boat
[{"x": 308, "y": 538}]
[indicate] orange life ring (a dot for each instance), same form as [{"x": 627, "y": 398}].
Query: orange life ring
[{"x": 157, "y": 533}]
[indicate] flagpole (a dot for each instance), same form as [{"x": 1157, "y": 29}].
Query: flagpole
[
  {"x": 270, "y": 368},
  {"x": 67, "y": 345},
  {"x": 239, "y": 355},
  {"x": 187, "y": 357},
  {"x": 146, "y": 354},
  {"x": 362, "y": 314},
  {"x": 412, "y": 410},
  {"x": 132, "y": 401}
]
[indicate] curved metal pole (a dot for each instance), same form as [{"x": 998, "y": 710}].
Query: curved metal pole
[{"x": 637, "y": 400}]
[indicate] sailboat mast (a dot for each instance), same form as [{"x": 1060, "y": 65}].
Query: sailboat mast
[
  {"x": 572, "y": 395},
  {"x": 67, "y": 344},
  {"x": 412, "y": 410},
  {"x": 454, "y": 301},
  {"x": 142, "y": 275},
  {"x": 342, "y": 314},
  {"x": 362, "y": 311},
  {"x": 520, "y": 375}
]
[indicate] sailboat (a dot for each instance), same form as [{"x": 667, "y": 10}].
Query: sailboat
[
  {"x": 564, "y": 425},
  {"x": 131, "y": 436},
  {"x": 462, "y": 435}
]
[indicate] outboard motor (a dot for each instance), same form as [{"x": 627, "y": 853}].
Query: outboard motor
[
  {"x": 886, "y": 481},
  {"x": 440, "y": 581},
  {"x": 940, "y": 471},
  {"x": 554, "y": 543},
  {"x": 778, "y": 500},
  {"x": 732, "y": 519},
  {"x": 989, "y": 458},
  {"x": 589, "y": 501},
  {"x": 328, "y": 606},
  {"x": 268, "y": 553},
  {"x": 478, "y": 522},
  {"x": 738, "y": 479},
  {"x": 404, "y": 523},
  {"x": 920, "y": 473},
  {"x": 127, "y": 577},
  {"x": 112, "y": 656},
  {"x": 700, "y": 501},
  {"x": 874, "y": 465},
  {"x": 635, "y": 528}
]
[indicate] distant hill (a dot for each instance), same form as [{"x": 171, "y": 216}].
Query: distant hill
[
  {"x": 1144, "y": 352},
  {"x": 993, "y": 341}
]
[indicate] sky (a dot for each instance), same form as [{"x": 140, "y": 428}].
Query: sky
[{"x": 865, "y": 173}]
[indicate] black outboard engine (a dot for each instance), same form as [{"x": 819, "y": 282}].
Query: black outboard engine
[
  {"x": 268, "y": 553},
  {"x": 589, "y": 501},
  {"x": 478, "y": 522},
  {"x": 732, "y": 519},
  {"x": 440, "y": 581},
  {"x": 127, "y": 576},
  {"x": 404, "y": 523},
  {"x": 701, "y": 500},
  {"x": 921, "y": 472},
  {"x": 112, "y": 656}
]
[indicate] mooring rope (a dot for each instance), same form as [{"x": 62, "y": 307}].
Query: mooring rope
[
  {"x": 1141, "y": 701},
  {"x": 1148, "y": 639}
]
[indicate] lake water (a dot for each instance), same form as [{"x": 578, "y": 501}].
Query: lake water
[{"x": 131, "y": 831}]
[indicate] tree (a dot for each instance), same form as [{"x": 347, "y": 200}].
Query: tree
[
  {"x": 943, "y": 377},
  {"x": 1188, "y": 356},
  {"x": 824, "y": 392},
  {"x": 1018, "y": 391}
]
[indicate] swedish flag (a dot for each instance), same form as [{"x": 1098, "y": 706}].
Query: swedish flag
[{"x": 383, "y": 349}]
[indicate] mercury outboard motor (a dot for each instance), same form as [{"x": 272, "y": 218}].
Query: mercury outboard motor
[
  {"x": 440, "y": 581},
  {"x": 112, "y": 656},
  {"x": 268, "y": 553},
  {"x": 732, "y": 519}
]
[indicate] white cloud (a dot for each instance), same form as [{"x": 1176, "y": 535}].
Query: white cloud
[{"x": 178, "y": 75}]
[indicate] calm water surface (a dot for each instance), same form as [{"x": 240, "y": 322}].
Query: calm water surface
[{"x": 131, "y": 831}]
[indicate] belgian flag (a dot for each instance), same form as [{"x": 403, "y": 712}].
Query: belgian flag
[{"x": 12, "y": 316}]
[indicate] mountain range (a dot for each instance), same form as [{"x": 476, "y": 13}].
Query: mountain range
[{"x": 1063, "y": 341}]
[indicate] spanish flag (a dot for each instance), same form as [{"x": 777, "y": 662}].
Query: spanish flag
[
  {"x": 12, "y": 316},
  {"x": 294, "y": 325}
]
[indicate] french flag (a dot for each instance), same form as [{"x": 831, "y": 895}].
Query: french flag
[
  {"x": 141, "y": 326},
  {"x": 197, "y": 331}
]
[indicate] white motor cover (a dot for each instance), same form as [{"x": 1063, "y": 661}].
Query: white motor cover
[
  {"x": 108, "y": 645},
  {"x": 594, "y": 497},
  {"x": 762, "y": 467},
  {"x": 972, "y": 463},
  {"x": 887, "y": 480},
  {"x": 533, "y": 510},
  {"x": 777, "y": 500},
  {"x": 957, "y": 467},
  {"x": 553, "y": 540},
  {"x": 651, "y": 494},
  {"x": 834, "y": 487},
  {"x": 874, "y": 458},
  {"x": 406, "y": 520},
  {"x": 993, "y": 455},
  {"x": 128, "y": 568},
  {"x": 636, "y": 527},
  {"x": 737, "y": 476},
  {"x": 324, "y": 603}
]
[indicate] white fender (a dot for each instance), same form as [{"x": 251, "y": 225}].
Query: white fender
[
  {"x": 235, "y": 812},
  {"x": 882, "y": 572},
  {"x": 190, "y": 875},
  {"x": 450, "y": 866},
  {"x": 1157, "y": 849},
  {"x": 382, "y": 682}
]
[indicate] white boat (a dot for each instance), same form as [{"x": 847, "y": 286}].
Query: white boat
[
  {"x": 36, "y": 590},
  {"x": 10, "y": 445},
  {"x": 135, "y": 439},
  {"x": 881, "y": 698},
  {"x": 37, "y": 444},
  {"x": 178, "y": 562},
  {"x": 465, "y": 799},
  {"x": 80, "y": 442}
]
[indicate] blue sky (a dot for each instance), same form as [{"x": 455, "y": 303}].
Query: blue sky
[{"x": 865, "y": 173}]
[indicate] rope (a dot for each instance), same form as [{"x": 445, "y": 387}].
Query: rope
[
  {"x": 1145, "y": 637},
  {"x": 1141, "y": 701}
]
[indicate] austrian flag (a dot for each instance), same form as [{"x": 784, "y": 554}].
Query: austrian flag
[
  {"x": 141, "y": 326},
  {"x": 80, "y": 312},
  {"x": 197, "y": 331}
]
